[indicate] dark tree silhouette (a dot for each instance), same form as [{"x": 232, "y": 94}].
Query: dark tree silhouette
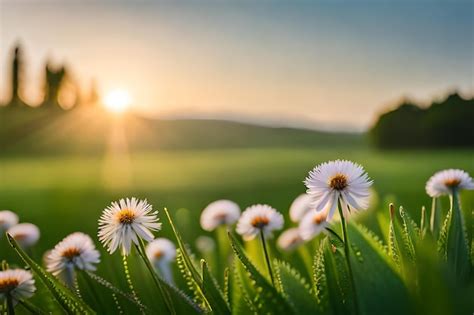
[
  {"x": 54, "y": 80},
  {"x": 16, "y": 76},
  {"x": 449, "y": 123}
]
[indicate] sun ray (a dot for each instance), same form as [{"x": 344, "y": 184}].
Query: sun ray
[{"x": 117, "y": 101}]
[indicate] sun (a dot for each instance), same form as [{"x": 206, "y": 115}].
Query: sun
[{"x": 117, "y": 101}]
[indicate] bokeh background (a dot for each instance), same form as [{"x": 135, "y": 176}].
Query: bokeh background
[{"x": 185, "y": 102}]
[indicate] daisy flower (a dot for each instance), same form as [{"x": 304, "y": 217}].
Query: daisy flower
[
  {"x": 444, "y": 182},
  {"x": 218, "y": 213},
  {"x": 312, "y": 224},
  {"x": 335, "y": 181},
  {"x": 290, "y": 239},
  {"x": 126, "y": 221},
  {"x": 300, "y": 206},
  {"x": 76, "y": 250},
  {"x": 259, "y": 218},
  {"x": 17, "y": 283},
  {"x": 7, "y": 220},
  {"x": 161, "y": 252},
  {"x": 25, "y": 234}
]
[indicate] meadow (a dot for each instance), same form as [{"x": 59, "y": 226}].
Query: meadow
[{"x": 64, "y": 194}]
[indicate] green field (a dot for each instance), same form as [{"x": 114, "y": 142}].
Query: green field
[{"x": 64, "y": 194}]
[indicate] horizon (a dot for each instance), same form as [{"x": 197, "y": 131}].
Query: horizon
[{"x": 263, "y": 64}]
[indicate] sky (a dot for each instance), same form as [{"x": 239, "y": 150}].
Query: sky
[{"x": 317, "y": 64}]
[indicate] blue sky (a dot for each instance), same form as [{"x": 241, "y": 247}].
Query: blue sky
[{"x": 317, "y": 64}]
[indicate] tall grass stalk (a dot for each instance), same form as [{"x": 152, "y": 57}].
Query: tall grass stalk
[
  {"x": 435, "y": 219},
  {"x": 128, "y": 277}
]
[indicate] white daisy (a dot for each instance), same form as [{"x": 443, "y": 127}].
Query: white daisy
[
  {"x": 7, "y": 220},
  {"x": 443, "y": 182},
  {"x": 258, "y": 218},
  {"x": 17, "y": 283},
  {"x": 161, "y": 252},
  {"x": 290, "y": 239},
  {"x": 218, "y": 213},
  {"x": 76, "y": 250},
  {"x": 335, "y": 181},
  {"x": 25, "y": 234},
  {"x": 312, "y": 224},
  {"x": 124, "y": 222},
  {"x": 300, "y": 206}
]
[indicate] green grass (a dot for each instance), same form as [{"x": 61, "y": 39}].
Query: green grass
[{"x": 67, "y": 194}]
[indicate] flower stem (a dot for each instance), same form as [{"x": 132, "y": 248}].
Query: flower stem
[
  {"x": 267, "y": 257},
  {"x": 223, "y": 251},
  {"x": 69, "y": 277},
  {"x": 347, "y": 253},
  {"x": 164, "y": 294},
  {"x": 164, "y": 270},
  {"x": 10, "y": 307},
  {"x": 306, "y": 257},
  {"x": 130, "y": 283}
]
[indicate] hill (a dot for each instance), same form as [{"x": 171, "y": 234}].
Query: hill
[{"x": 92, "y": 130}]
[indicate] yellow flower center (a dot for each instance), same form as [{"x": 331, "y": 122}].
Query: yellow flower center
[
  {"x": 294, "y": 240},
  {"x": 20, "y": 236},
  {"x": 338, "y": 182},
  {"x": 319, "y": 218},
  {"x": 71, "y": 252},
  {"x": 8, "y": 284},
  {"x": 126, "y": 216},
  {"x": 158, "y": 254},
  {"x": 259, "y": 222},
  {"x": 221, "y": 217},
  {"x": 452, "y": 182}
]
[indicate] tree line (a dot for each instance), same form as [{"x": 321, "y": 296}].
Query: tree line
[
  {"x": 449, "y": 123},
  {"x": 59, "y": 88}
]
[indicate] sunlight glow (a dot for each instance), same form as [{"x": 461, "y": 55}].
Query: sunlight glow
[{"x": 117, "y": 101}]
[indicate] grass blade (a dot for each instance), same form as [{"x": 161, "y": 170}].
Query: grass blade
[
  {"x": 212, "y": 292},
  {"x": 296, "y": 289},
  {"x": 457, "y": 246},
  {"x": 374, "y": 269},
  {"x": 338, "y": 285},
  {"x": 271, "y": 300}
]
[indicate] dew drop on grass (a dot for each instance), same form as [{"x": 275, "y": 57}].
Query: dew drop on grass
[{"x": 358, "y": 253}]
